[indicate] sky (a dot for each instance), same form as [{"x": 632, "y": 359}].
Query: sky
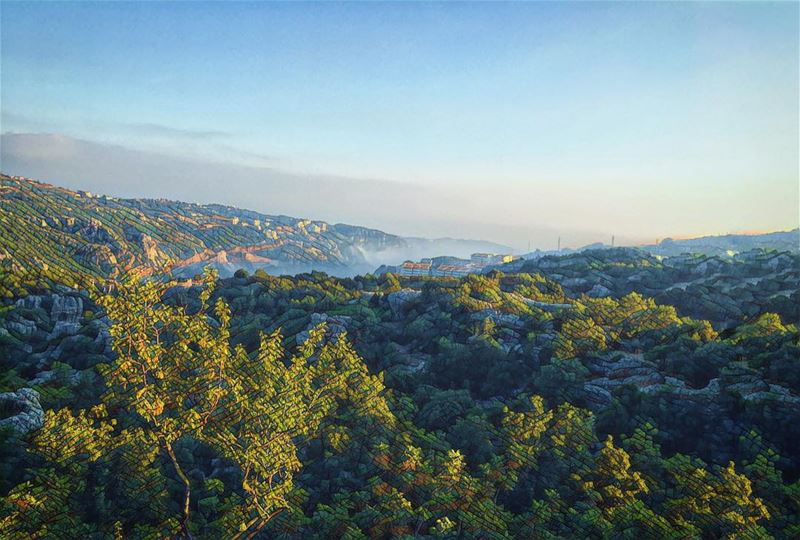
[{"x": 512, "y": 122}]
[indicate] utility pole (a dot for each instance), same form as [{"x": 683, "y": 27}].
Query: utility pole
[
  {"x": 559, "y": 243},
  {"x": 612, "y": 240}
]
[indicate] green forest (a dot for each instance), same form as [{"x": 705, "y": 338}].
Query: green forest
[{"x": 503, "y": 405}]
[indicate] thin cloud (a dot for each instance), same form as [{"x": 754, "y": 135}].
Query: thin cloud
[
  {"x": 161, "y": 130},
  {"x": 14, "y": 122},
  {"x": 397, "y": 207}
]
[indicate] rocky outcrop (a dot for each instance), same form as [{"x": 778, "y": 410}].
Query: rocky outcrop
[
  {"x": 398, "y": 299},
  {"x": 616, "y": 372},
  {"x": 21, "y": 410},
  {"x": 65, "y": 314},
  {"x": 610, "y": 374},
  {"x": 334, "y": 326},
  {"x": 598, "y": 397},
  {"x": 504, "y": 320},
  {"x": 96, "y": 256},
  {"x": 95, "y": 233},
  {"x": 70, "y": 377},
  {"x": 599, "y": 291},
  {"x": 149, "y": 246},
  {"x": 544, "y": 306},
  {"x": 52, "y": 328},
  {"x": 23, "y": 327},
  {"x": 30, "y": 302},
  {"x": 575, "y": 283},
  {"x": 745, "y": 381}
]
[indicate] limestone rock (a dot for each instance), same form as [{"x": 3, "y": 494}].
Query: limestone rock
[
  {"x": 21, "y": 410},
  {"x": 400, "y": 298},
  {"x": 503, "y": 320},
  {"x": 23, "y": 327},
  {"x": 597, "y": 396},
  {"x": 66, "y": 313},
  {"x": 599, "y": 291},
  {"x": 30, "y": 302},
  {"x": 335, "y": 326}
]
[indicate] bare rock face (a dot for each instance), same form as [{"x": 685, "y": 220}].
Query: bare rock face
[
  {"x": 597, "y": 396},
  {"x": 400, "y": 298},
  {"x": 151, "y": 251},
  {"x": 335, "y": 325},
  {"x": 610, "y": 374},
  {"x": 30, "y": 302},
  {"x": 503, "y": 320},
  {"x": 97, "y": 255},
  {"x": 149, "y": 246},
  {"x": 23, "y": 327},
  {"x": 66, "y": 311},
  {"x": 95, "y": 233},
  {"x": 576, "y": 283},
  {"x": 21, "y": 410},
  {"x": 599, "y": 291},
  {"x": 66, "y": 314},
  {"x": 629, "y": 369}
]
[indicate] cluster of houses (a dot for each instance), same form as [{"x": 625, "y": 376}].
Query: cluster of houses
[{"x": 452, "y": 266}]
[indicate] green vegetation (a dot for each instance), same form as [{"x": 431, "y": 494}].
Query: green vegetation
[
  {"x": 603, "y": 394},
  {"x": 496, "y": 406}
]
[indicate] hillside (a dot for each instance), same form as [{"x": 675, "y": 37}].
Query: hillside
[
  {"x": 67, "y": 236},
  {"x": 728, "y": 244}
]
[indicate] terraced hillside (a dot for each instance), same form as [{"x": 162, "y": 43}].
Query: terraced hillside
[{"x": 48, "y": 233}]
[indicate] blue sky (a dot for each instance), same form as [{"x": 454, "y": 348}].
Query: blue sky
[{"x": 644, "y": 120}]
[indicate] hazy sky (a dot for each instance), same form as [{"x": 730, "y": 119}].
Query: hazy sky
[{"x": 505, "y": 122}]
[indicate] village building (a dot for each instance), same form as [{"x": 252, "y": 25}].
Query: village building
[
  {"x": 410, "y": 268},
  {"x": 454, "y": 270}
]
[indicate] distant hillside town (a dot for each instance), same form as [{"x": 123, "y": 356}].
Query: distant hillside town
[{"x": 739, "y": 246}]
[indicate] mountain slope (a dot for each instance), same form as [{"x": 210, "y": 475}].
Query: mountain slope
[
  {"x": 50, "y": 232},
  {"x": 723, "y": 244}
]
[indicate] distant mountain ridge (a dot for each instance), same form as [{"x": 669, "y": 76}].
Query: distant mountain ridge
[
  {"x": 728, "y": 244},
  {"x": 718, "y": 245}
]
